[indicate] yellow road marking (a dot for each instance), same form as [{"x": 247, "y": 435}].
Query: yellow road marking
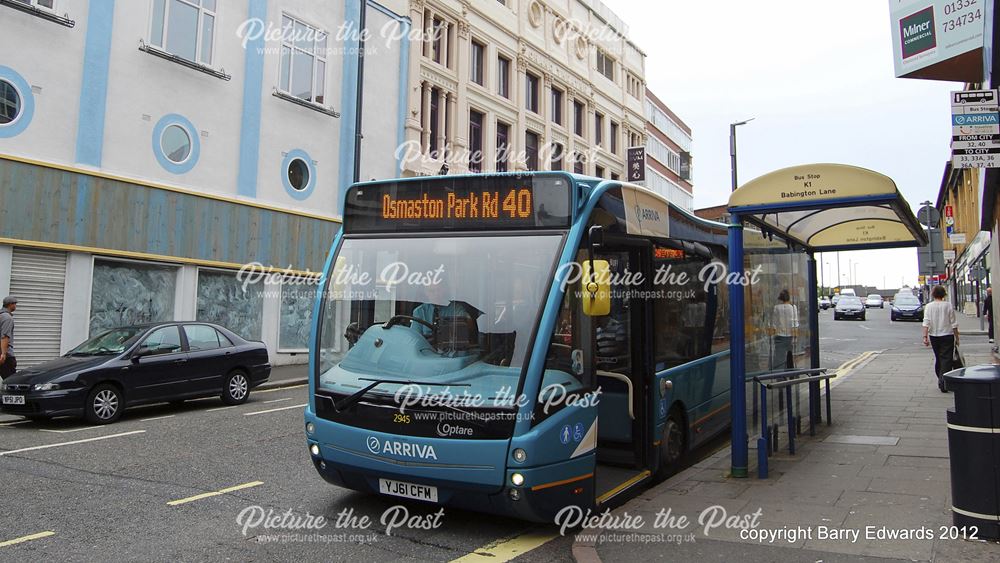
[
  {"x": 23, "y": 539},
  {"x": 507, "y": 549},
  {"x": 849, "y": 365},
  {"x": 278, "y": 389},
  {"x": 610, "y": 494},
  {"x": 215, "y": 493}
]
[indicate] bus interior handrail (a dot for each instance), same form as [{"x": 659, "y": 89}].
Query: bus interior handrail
[{"x": 628, "y": 383}]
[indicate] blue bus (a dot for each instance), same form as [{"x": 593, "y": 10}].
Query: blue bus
[{"x": 516, "y": 343}]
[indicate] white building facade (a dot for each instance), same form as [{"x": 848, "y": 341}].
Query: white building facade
[
  {"x": 517, "y": 85},
  {"x": 151, "y": 148},
  {"x": 669, "y": 170}
]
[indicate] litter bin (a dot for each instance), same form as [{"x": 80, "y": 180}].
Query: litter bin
[{"x": 974, "y": 448}]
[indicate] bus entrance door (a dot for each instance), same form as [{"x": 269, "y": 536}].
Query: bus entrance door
[{"x": 622, "y": 370}]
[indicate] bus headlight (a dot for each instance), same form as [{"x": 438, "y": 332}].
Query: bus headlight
[
  {"x": 517, "y": 479},
  {"x": 310, "y": 428},
  {"x": 520, "y": 455},
  {"x": 314, "y": 450}
]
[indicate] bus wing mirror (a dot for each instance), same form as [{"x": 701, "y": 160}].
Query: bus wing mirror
[{"x": 596, "y": 282}]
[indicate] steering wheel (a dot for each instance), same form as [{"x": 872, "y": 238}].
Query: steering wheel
[{"x": 396, "y": 320}]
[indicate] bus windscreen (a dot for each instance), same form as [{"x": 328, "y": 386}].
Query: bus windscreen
[{"x": 463, "y": 203}]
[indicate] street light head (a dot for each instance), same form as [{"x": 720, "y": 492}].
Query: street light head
[{"x": 744, "y": 122}]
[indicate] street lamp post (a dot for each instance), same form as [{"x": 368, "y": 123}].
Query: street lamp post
[{"x": 732, "y": 147}]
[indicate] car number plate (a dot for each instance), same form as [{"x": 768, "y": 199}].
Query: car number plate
[
  {"x": 13, "y": 399},
  {"x": 408, "y": 490}
]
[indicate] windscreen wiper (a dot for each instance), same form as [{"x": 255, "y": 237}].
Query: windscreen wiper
[{"x": 344, "y": 404}]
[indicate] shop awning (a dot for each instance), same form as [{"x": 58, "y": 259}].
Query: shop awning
[{"x": 827, "y": 207}]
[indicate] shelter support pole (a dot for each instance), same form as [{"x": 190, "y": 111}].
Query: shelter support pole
[
  {"x": 737, "y": 339},
  {"x": 814, "y": 398}
]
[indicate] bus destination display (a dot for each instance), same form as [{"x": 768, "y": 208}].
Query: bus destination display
[{"x": 465, "y": 203}]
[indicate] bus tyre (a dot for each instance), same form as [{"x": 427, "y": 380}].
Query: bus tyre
[
  {"x": 236, "y": 389},
  {"x": 672, "y": 446}
]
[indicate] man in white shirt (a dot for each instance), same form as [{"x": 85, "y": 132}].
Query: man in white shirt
[{"x": 941, "y": 333}]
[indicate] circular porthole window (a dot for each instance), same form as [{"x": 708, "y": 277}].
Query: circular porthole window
[
  {"x": 10, "y": 103},
  {"x": 176, "y": 143},
  {"x": 298, "y": 174}
]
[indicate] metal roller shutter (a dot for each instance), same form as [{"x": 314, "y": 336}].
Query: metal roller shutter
[{"x": 37, "y": 279}]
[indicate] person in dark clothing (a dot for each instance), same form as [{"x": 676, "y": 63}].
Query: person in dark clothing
[
  {"x": 988, "y": 311},
  {"x": 8, "y": 363}
]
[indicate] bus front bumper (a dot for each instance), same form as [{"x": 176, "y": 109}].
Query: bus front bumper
[{"x": 543, "y": 492}]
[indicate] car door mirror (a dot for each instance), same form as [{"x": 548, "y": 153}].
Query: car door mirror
[{"x": 140, "y": 353}]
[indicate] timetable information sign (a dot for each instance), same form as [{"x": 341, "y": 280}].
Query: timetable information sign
[{"x": 975, "y": 129}]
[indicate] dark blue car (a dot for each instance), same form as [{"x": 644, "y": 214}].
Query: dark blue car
[{"x": 136, "y": 365}]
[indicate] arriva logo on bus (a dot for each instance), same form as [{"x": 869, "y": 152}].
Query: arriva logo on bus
[{"x": 405, "y": 449}]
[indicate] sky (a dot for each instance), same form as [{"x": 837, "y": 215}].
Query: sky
[{"x": 818, "y": 79}]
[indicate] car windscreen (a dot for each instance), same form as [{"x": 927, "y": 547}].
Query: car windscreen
[
  {"x": 111, "y": 342},
  {"x": 906, "y": 300}
]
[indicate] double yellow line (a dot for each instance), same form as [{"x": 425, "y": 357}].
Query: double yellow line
[{"x": 849, "y": 366}]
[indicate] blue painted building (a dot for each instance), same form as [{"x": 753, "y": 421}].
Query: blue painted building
[{"x": 151, "y": 148}]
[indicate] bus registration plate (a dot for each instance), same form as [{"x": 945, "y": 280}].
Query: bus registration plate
[{"x": 408, "y": 490}]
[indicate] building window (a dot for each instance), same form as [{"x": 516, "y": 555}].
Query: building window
[
  {"x": 557, "y": 106},
  {"x": 578, "y": 163},
  {"x": 598, "y": 129},
  {"x": 185, "y": 28},
  {"x": 435, "y": 94},
  {"x": 441, "y": 32},
  {"x": 476, "y": 69},
  {"x": 475, "y": 141},
  {"x": 131, "y": 293},
  {"x": 303, "y": 61},
  {"x": 633, "y": 85},
  {"x": 10, "y": 103},
  {"x": 615, "y": 176},
  {"x": 503, "y": 76},
  {"x": 556, "y": 159},
  {"x": 296, "y": 315},
  {"x": 298, "y": 174},
  {"x": 613, "y": 138},
  {"x": 223, "y": 299},
  {"x": 46, "y": 4},
  {"x": 578, "y": 118},
  {"x": 175, "y": 143},
  {"x": 503, "y": 146},
  {"x": 599, "y": 171},
  {"x": 531, "y": 92},
  {"x": 605, "y": 65},
  {"x": 531, "y": 149}
]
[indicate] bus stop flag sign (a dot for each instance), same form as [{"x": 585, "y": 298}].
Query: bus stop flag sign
[{"x": 975, "y": 129}]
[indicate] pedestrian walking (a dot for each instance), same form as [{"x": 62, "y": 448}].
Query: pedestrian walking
[
  {"x": 941, "y": 333},
  {"x": 8, "y": 363},
  {"x": 988, "y": 311}
]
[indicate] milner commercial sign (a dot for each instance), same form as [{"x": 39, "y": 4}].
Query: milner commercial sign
[{"x": 938, "y": 39}]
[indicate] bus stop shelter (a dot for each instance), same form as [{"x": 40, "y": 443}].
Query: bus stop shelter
[{"x": 812, "y": 208}]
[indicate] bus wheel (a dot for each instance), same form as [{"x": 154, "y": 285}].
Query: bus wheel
[{"x": 672, "y": 446}]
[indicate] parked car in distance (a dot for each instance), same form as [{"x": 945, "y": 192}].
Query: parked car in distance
[
  {"x": 874, "y": 300},
  {"x": 824, "y": 303},
  {"x": 849, "y": 307},
  {"x": 906, "y": 307},
  {"x": 847, "y": 291},
  {"x": 834, "y": 300},
  {"x": 137, "y": 365}
]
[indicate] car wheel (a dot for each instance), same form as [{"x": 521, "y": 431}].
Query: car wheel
[
  {"x": 237, "y": 388},
  {"x": 672, "y": 446},
  {"x": 104, "y": 404}
]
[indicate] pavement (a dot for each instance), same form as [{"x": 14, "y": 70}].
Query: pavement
[{"x": 880, "y": 470}]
